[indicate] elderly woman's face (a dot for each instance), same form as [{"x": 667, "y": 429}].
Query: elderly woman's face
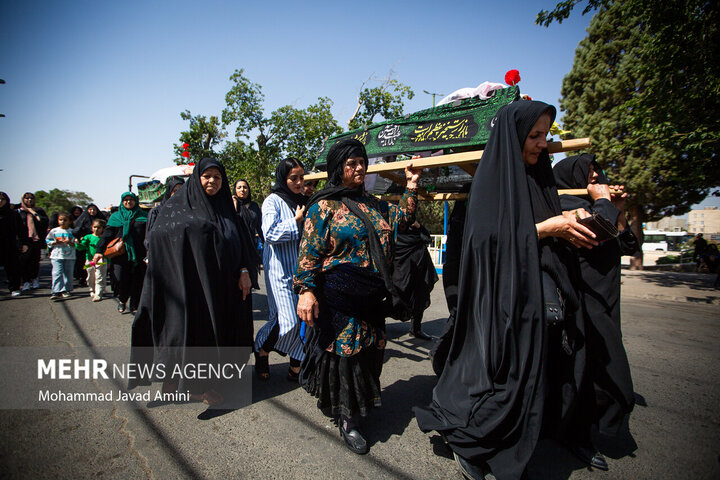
[
  {"x": 592, "y": 175},
  {"x": 353, "y": 172},
  {"x": 211, "y": 181},
  {"x": 242, "y": 190},
  {"x": 296, "y": 179},
  {"x": 536, "y": 140},
  {"x": 129, "y": 202}
]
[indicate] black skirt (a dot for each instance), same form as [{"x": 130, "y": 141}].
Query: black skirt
[{"x": 345, "y": 385}]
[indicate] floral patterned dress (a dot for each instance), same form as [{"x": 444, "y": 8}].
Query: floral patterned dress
[{"x": 333, "y": 236}]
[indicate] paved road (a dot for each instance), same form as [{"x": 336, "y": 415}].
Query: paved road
[{"x": 675, "y": 430}]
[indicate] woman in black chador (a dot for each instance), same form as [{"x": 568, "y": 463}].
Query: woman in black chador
[
  {"x": 414, "y": 274},
  {"x": 507, "y": 373},
  {"x": 608, "y": 367},
  {"x": 196, "y": 283}
]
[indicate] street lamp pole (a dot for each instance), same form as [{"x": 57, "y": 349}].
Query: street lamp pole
[{"x": 434, "y": 95}]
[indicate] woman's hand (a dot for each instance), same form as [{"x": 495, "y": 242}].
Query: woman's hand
[
  {"x": 235, "y": 201},
  {"x": 412, "y": 176},
  {"x": 618, "y": 199},
  {"x": 300, "y": 213},
  {"x": 598, "y": 191},
  {"x": 244, "y": 283},
  {"x": 566, "y": 226},
  {"x": 97, "y": 258},
  {"x": 308, "y": 307}
]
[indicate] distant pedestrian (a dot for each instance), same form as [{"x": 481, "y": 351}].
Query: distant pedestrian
[
  {"x": 414, "y": 274},
  {"x": 83, "y": 224},
  {"x": 13, "y": 241},
  {"x": 309, "y": 187},
  {"x": 36, "y": 221},
  {"x": 62, "y": 257},
  {"x": 129, "y": 224},
  {"x": 249, "y": 211},
  {"x": 78, "y": 271},
  {"x": 700, "y": 245},
  {"x": 96, "y": 271}
]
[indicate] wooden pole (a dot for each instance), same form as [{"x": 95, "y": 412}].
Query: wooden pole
[{"x": 459, "y": 159}]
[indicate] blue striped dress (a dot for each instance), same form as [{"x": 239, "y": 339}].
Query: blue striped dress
[{"x": 280, "y": 257}]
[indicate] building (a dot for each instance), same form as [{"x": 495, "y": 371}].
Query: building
[
  {"x": 706, "y": 220},
  {"x": 668, "y": 224}
]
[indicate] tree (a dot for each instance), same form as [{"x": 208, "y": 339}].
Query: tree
[
  {"x": 57, "y": 200},
  {"x": 385, "y": 101},
  {"x": 261, "y": 141},
  {"x": 204, "y": 135},
  {"x": 645, "y": 87}
]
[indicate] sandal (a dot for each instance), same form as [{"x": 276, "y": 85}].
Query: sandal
[
  {"x": 262, "y": 366},
  {"x": 211, "y": 398},
  {"x": 293, "y": 376}
]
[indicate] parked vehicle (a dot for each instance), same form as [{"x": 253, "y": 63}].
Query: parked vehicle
[{"x": 658, "y": 240}]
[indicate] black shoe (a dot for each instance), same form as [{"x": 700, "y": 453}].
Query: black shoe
[
  {"x": 589, "y": 455},
  {"x": 121, "y": 308},
  {"x": 419, "y": 334},
  {"x": 354, "y": 441},
  {"x": 470, "y": 471}
]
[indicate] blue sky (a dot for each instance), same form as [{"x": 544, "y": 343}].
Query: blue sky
[{"x": 94, "y": 89}]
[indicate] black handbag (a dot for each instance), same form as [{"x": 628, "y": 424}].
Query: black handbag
[{"x": 554, "y": 302}]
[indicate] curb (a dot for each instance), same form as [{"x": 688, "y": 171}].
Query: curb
[{"x": 669, "y": 298}]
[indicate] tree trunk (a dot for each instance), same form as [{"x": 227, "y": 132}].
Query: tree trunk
[{"x": 636, "y": 225}]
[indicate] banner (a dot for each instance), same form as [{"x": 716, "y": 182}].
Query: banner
[{"x": 458, "y": 124}]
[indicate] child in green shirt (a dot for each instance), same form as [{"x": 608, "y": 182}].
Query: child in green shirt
[{"x": 96, "y": 272}]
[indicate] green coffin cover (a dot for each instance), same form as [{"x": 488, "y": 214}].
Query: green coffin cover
[{"x": 457, "y": 124}]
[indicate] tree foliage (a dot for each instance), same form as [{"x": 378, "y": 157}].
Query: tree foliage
[
  {"x": 258, "y": 141},
  {"x": 645, "y": 87},
  {"x": 203, "y": 137},
  {"x": 385, "y": 101},
  {"x": 57, "y": 200},
  {"x": 562, "y": 11}
]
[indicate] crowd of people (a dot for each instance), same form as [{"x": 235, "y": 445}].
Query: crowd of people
[{"x": 533, "y": 347}]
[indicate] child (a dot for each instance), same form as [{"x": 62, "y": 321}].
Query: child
[
  {"x": 95, "y": 272},
  {"x": 62, "y": 256}
]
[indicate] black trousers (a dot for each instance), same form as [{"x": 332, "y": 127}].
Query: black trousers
[
  {"x": 11, "y": 261},
  {"x": 30, "y": 262},
  {"x": 129, "y": 280}
]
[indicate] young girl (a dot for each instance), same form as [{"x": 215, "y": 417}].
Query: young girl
[
  {"x": 62, "y": 256},
  {"x": 96, "y": 271}
]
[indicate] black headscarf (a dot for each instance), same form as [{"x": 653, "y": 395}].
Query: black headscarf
[
  {"x": 244, "y": 201},
  {"x": 489, "y": 400},
  {"x": 281, "y": 188},
  {"x": 83, "y": 225},
  {"x": 171, "y": 184},
  {"x": 336, "y": 157}
]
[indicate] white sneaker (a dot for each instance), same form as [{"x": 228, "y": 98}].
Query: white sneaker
[
  {"x": 16, "y": 293},
  {"x": 25, "y": 287},
  {"x": 36, "y": 283}
]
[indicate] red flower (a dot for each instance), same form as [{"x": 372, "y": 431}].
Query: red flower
[
  {"x": 185, "y": 154},
  {"x": 512, "y": 77},
  {"x": 186, "y": 146}
]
